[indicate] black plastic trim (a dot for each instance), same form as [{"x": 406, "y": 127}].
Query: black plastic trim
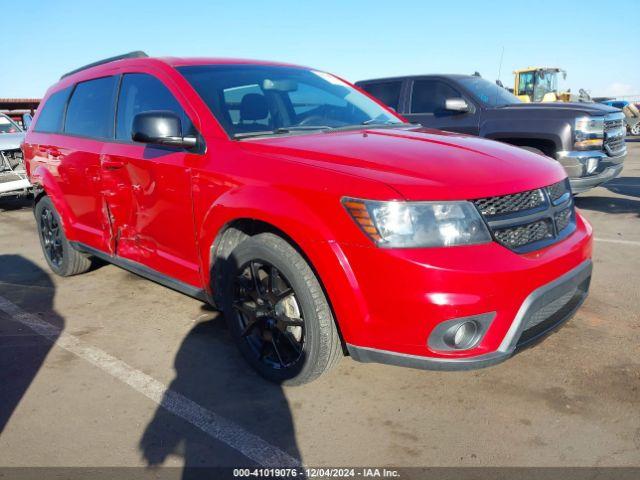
[
  {"x": 135, "y": 54},
  {"x": 145, "y": 272}
]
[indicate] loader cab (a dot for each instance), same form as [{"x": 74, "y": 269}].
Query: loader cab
[{"x": 538, "y": 84}]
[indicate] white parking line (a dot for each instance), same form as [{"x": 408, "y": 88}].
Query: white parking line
[
  {"x": 217, "y": 427},
  {"x": 621, "y": 242}
]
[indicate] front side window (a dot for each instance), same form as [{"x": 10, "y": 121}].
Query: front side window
[
  {"x": 387, "y": 92},
  {"x": 52, "y": 112},
  {"x": 90, "y": 110},
  {"x": 250, "y": 99},
  {"x": 139, "y": 93},
  {"x": 430, "y": 96}
]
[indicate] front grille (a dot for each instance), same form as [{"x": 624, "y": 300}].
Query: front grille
[
  {"x": 614, "y": 146},
  {"x": 530, "y": 220},
  {"x": 614, "y": 134},
  {"x": 563, "y": 218},
  {"x": 514, "y": 237},
  {"x": 558, "y": 190},
  {"x": 510, "y": 203},
  {"x": 616, "y": 123}
]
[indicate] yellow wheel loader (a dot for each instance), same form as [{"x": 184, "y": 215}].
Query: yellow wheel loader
[{"x": 540, "y": 84}]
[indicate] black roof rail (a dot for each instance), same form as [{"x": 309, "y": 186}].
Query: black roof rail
[{"x": 136, "y": 54}]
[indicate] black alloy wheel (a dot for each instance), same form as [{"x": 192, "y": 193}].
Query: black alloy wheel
[
  {"x": 51, "y": 234},
  {"x": 270, "y": 315}
]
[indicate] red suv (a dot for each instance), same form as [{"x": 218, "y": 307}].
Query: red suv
[{"x": 316, "y": 218}]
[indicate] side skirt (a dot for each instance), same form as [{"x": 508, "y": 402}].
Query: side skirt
[{"x": 145, "y": 272}]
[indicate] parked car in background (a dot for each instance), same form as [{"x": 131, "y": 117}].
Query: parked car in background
[
  {"x": 318, "y": 220},
  {"x": 13, "y": 176},
  {"x": 631, "y": 112},
  {"x": 586, "y": 138}
]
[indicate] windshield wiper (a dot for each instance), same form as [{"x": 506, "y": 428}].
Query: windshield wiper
[
  {"x": 302, "y": 128},
  {"x": 375, "y": 125},
  {"x": 282, "y": 130}
]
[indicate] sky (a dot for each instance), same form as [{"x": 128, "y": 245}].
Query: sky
[{"x": 354, "y": 39}]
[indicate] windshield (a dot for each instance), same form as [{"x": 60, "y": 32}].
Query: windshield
[
  {"x": 256, "y": 99},
  {"x": 546, "y": 82},
  {"x": 490, "y": 94},
  {"x": 7, "y": 125}
]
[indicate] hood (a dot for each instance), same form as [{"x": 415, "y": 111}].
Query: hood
[
  {"x": 11, "y": 141},
  {"x": 420, "y": 164},
  {"x": 578, "y": 107}
]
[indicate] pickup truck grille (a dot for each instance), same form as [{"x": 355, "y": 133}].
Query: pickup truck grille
[
  {"x": 614, "y": 134},
  {"x": 530, "y": 220}
]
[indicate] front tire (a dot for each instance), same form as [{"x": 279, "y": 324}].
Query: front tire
[
  {"x": 62, "y": 258},
  {"x": 277, "y": 311}
]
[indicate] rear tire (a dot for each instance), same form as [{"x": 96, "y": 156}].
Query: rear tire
[
  {"x": 282, "y": 323},
  {"x": 62, "y": 258}
]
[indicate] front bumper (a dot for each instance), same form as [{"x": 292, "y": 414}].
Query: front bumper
[
  {"x": 574, "y": 162},
  {"x": 542, "y": 311},
  {"x": 404, "y": 296}
]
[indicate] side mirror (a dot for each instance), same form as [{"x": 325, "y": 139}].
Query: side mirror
[
  {"x": 160, "y": 127},
  {"x": 26, "y": 121},
  {"x": 456, "y": 105}
]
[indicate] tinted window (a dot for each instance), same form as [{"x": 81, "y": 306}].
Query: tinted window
[
  {"x": 429, "y": 96},
  {"x": 90, "y": 110},
  {"x": 387, "y": 92},
  {"x": 233, "y": 100},
  {"x": 140, "y": 93},
  {"x": 52, "y": 112}
]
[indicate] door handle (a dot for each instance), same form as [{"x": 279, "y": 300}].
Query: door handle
[{"x": 111, "y": 164}]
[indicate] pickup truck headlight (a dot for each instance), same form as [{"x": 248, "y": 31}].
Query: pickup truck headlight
[
  {"x": 418, "y": 224},
  {"x": 589, "y": 133}
]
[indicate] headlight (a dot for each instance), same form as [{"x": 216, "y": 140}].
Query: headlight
[
  {"x": 589, "y": 133},
  {"x": 418, "y": 224}
]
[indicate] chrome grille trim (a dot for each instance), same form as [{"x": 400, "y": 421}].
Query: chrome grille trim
[
  {"x": 614, "y": 134},
  {"x": 528, "y": 229}
]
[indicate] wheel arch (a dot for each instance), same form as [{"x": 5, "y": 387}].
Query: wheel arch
[
  {"x": 45, "y": 185},
  {"x": 235, "y": 216}
]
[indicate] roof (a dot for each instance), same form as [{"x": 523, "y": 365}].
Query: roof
[{"x": 139, "y": 57}]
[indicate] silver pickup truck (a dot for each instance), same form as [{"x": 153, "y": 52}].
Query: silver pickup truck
[{"x": 13, "y": 177}]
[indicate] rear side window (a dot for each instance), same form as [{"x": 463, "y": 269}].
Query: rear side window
[
  {"x": 429, "y": 96},
  {"x": 90, "y": 110},
  {"x": 141, "y": 92},
  {"x": 52, "y": 113},
  {"x": 387, "y": 92}
]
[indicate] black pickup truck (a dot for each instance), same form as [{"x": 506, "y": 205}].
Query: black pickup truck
[{"x": 588, "y": 139}]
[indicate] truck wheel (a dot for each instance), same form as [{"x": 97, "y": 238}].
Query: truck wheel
[
  {"x": 277, "y": 311},
  {"x": 62, "y": 258},
  {"x": 635, "y": 130}
]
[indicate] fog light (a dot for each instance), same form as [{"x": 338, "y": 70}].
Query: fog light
[
  {"x": 463, "y": 335},
  {"x": 592, "y": 165}
]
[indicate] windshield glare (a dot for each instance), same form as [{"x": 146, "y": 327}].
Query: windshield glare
[
  {"x": 250, "y": 99},
  {"x": 489, "y": 93}
]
